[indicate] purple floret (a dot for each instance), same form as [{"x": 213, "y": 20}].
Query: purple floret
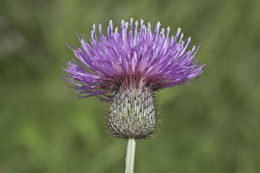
[{"x": 131, "y": 59}]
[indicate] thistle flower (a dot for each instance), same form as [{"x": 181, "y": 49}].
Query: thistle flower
[{"x": 126, "y": 67}]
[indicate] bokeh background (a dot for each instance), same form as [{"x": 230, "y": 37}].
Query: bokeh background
[{"x": 211, "y": 125}]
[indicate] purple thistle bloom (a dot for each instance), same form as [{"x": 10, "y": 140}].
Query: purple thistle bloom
[
  {"x": 131, "y": 58},
  {"x": 127, "y": 67}
]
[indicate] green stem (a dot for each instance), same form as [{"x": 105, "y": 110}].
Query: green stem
[{"x": 130, "y": 156}]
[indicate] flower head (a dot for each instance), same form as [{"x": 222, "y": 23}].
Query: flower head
[
  {"x": 127, "y": 66},
  {"x": 131, "y": 58}
]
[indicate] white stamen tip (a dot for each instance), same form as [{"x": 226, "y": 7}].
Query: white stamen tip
[
  {"x": 82, "y": 41},
  {"x": 178, "y": 31}
]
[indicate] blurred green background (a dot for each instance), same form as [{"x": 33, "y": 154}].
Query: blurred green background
[{"x": 211, "y": 125}]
